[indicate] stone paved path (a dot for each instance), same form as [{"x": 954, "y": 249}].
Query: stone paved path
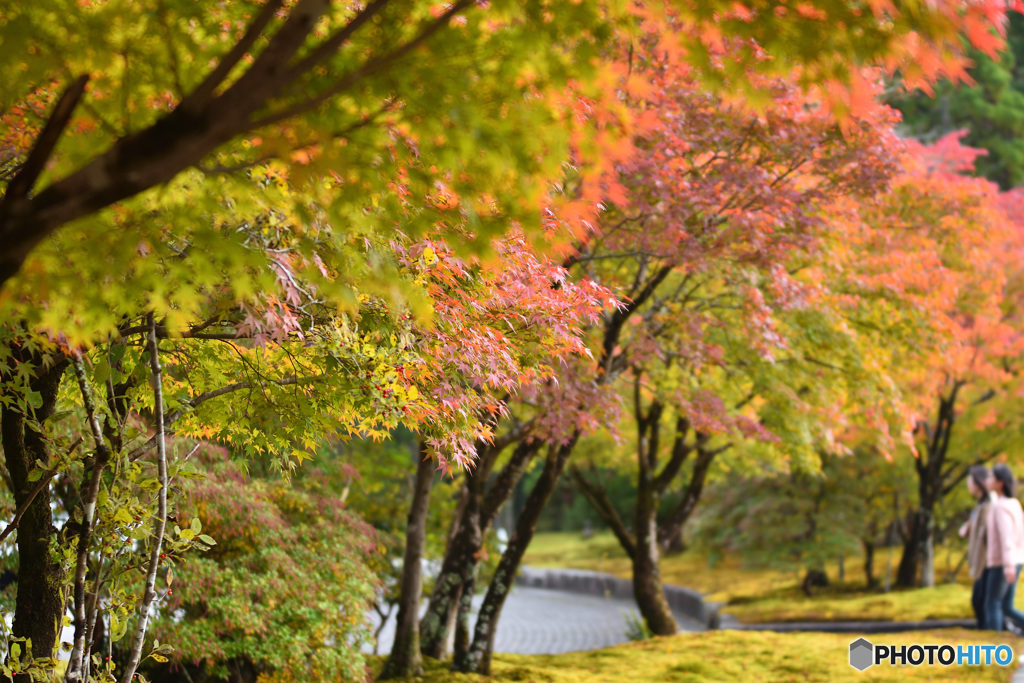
[{"x": 537, "y": 621}]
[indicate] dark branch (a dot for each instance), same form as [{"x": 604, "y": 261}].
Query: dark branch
[
  {"x": 22, "y": 183},
  {"x": 201, "y": 96},
  {"x": 598, "y": 499}
]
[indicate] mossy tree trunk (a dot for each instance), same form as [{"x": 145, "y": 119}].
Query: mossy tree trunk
[
  {"x": 478, "y": 658},
  {"x": 458, "y": 570},
  {"x": 647, "y": 589},
  {"x": 39, "y": 605},
  {"x": 405, "y": 659}
]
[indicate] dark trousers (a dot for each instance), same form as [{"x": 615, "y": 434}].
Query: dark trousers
[
  {"x": 978, "y": 600},
  {"x": 998, "y": 600}
]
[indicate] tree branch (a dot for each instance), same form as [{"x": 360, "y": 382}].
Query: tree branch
[
  {"x": 680, "y": 451},
  {"x": 36, "y": 490},
  {"x": 22, "y": 183},
  {"x": 598, "y": 499},
  {"x": 510, "y": 474},
  {"x": 613, "y": 329},
  {"x": 675, "y": 519},
  {"x": 173, "y": 416},
  {"x": 369, "y": 68},
  {"x": 201, "y": 96}
]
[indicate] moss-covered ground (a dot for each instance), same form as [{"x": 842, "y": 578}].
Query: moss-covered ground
[
  {"x": 727, "y": 656},
  {"x": 765, "y": 596}
]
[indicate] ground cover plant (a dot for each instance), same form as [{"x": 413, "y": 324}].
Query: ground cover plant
[
  {"x": 758, "y": 595},
  {"x": 726, "y": 656}
]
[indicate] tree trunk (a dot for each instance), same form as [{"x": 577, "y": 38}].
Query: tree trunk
[
  {"x": 647, "y": 589},
  {"x": 915, "y": 551},
  {"x": 474, "y": 539},
  {"x": 869, "y": 563},
  {"x": 436, "y": 623},
  {"x": 39, "y": 605},
  {"x": 479, "y": 658},
  {"x": 928, "y": 559},
  {"x": 918, "y": 551},
  {"x": 405, "y": 659},
  {"x": 479, "y": 507},
  {"x": 460, "y": 648},
  {"x": 649, "y": 593},
  {"x": 456, "y": 571}
]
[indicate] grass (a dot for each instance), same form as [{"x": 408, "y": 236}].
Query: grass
[
  {"x": 763, "y": 596},
  {"x": 719, "y": 656}
]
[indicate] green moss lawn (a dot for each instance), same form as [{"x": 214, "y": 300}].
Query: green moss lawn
[
  {"x": 764, "y": 596},
  {"x": 729, "y": 656}
]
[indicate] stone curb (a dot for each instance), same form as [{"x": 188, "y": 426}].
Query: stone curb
[
  {"x": 692, "y": 604},
  {"x": 856, "y": 626}
]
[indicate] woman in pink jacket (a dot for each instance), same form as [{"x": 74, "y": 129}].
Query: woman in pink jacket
[{"x": 1005, "y": 551}]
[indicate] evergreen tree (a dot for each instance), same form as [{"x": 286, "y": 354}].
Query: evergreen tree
[{"x": 992, "y": 110}]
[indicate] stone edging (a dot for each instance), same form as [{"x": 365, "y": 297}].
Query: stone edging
[{"x": 685, "y": 601}]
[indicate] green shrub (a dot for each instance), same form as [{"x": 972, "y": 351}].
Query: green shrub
[{"x": 284, "y": 593}]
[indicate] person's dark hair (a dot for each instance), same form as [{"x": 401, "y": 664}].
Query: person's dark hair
[
  {"x": 980, "y": 475},
  {"x": 1004, "y": 474}
]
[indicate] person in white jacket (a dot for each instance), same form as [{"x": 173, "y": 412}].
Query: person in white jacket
[{"x": 1005, "y": 552}]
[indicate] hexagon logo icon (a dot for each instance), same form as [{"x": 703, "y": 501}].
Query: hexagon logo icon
[{"x": 862, "y": 654}]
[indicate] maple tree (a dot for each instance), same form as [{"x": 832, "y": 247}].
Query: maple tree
[
  {"x": 281, "y": 594},
  {"x": 799, "y": 520},
  {"x": 738, "y": 343},
  {"x": 970, "y": 292}
]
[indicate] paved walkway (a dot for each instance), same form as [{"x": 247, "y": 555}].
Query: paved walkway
[{"x": 537, "y": 621}]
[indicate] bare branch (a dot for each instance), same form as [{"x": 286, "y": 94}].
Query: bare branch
[{"x": 680, "y": 451}]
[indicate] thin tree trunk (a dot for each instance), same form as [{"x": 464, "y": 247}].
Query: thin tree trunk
[
  {"x": 460, "y": 649},
  {"x": 928, "y": 558},
  {"x": 405, "y": 659},
  {"x": 647, "y": 589},
  {"x": 90, "y": 492},
  {"x": 160, "y": 521},
  {"x": 479, "y": 658},
  {"x": 39, "y": 605},
  {"x": 918, "y": 551},
  {"x": 474, "y": 539}
]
